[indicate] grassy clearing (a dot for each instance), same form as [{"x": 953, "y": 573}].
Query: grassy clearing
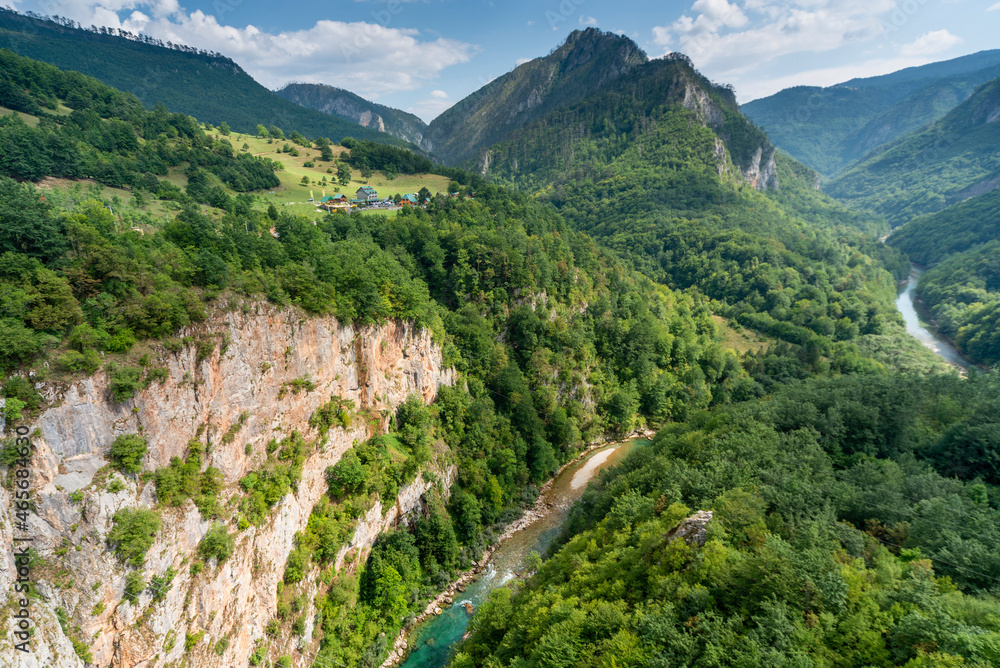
[
  {"x": 28, "y": 118},
  {"x": 292, "y": 196},
  {"x": 741, "y": 340},
  {"x": 77, "y": 190}
]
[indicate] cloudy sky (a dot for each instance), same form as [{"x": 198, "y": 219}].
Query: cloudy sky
[{"x": 425, "y": 55}]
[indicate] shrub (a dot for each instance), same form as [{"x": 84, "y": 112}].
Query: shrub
[
  {"x": 217, "y": 544},
  {"x": 125, "y": 381},
  {"x": 24, "y": 390},
  {"x": 86, "y": 362},
  {"x": 192, "y": 639},
  {"x": 114, "y": 486},
  {"x": 134, "y": 584},
  {"x": 122, "y": 341},
  {"x": 161, "y": 584},
  {"x": 85, "y": 337},
  {"x": 12, "y": 409},
  {"x": 126, "y": 453},
  {"x": 221, "y": 646},
  {"x": 132, "y": 533}
]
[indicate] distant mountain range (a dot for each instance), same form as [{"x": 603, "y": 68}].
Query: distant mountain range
[
  {"x": 943, "y": 163},
  {"x": 354, "y": 108},
  {"x": 208, "y": 86},
  {"x": 830, "y": 128}
]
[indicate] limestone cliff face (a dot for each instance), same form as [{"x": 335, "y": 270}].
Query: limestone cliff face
[
  {"x": 376, "y": 367},
  {"x": 342, "y": 103},
  {"x": 762, "y": 174},
  {"x": 696, "y": 99}
]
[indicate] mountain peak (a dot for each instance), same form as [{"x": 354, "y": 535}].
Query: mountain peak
[
  {"x": 583, "y": 46},
  {"x": 582, "y": 65}
]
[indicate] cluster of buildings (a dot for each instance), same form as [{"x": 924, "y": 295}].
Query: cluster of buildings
[{"x": 368, "y": 197}]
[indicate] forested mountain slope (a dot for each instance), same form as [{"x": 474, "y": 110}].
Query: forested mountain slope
[
  {"x": 944, "y": 163},
  {"x": 210, "y": 87},
  {"x": 962, "y": 287},
  {"x": 850, "y": 525},
  {"x": 664, "y": 169},
  {"x": 830, "y": 128},
  {"x": 929, "y": 239},
  {"x": 347, "y": 105},
  {"x": 556, "y": 343},
  {"x": 583, "y": 65}
]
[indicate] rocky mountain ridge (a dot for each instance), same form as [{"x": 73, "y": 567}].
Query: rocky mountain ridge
[
  {"x": 347, "y": 105},
  {"x": 587, "y": 61}
]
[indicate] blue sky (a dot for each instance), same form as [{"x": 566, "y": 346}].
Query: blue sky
[{"x": 425, "y": 55}]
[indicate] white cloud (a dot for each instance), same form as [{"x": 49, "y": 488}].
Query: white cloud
[
  {"x": 931, "y": 42},
  {"x": 522, "y": 61},
  {"x": 588, "y": 21},
  {"x": 994, "y": 8},
  {"x": 439, "y": 95},
  {"x": 431, "y": 107},
  {"x": 728, "y": 39},
  {"x": 369, "y": 59}
]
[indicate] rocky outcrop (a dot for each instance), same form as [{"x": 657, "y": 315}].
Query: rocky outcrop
[
  {"x": 760, "y": 174},
  {"x": 347, "y": 105},
  {"x": 693, "y": 530},
  {"x": 696, "y": 99},
  {"x": 260, "y": 352}
]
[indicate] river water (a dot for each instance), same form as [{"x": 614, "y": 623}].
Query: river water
[
  {"x": 434, "y": 639},
  {"x": 916, "y": 317}
]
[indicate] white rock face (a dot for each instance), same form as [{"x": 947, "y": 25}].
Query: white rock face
[
  {"x": 268, "y": 347},
  {"x": 762, "y": 176},
  {"x": 693, "y": 530}
]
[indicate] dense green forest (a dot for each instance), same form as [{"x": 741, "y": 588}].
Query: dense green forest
[
  {"x": 962, "y": 294},
  {"x": 108, "y": 136},
  {"x": 926, "y": 171},
  {"x": 830, "y": 128},
  {"x": 855, "y": 524},
  {"x": 962, "y": 288},
  {"x": 930, "y": 239},
  {"x": 643, "y": 177},
  {"x": 208, "y": 86},
  {"x": 584, "y": 307},
  {"x": 558, "y": 343}
]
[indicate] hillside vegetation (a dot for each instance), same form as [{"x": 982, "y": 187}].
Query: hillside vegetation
[
  {"x": 577, "y": 289},
  {"x": 208, "y": 86},
  {"x": 926, "y": 171},
  {"x": 660, "y": 169},
  {"x": 962, "y": 294},
  {"x": 347, "y": 105},
  {"x": 586, "y": 62},
  {"x": 838, "y": 538},
  {"x": 930, "y": 239},
  {"x": 830, "y": 128}
]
